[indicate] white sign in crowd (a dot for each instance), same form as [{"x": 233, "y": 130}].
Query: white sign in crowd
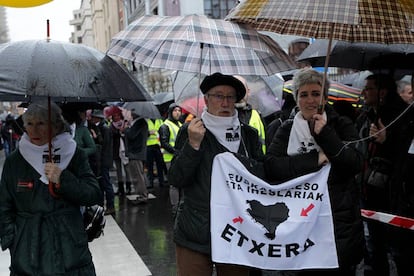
[{"x": 278, "y": 227}]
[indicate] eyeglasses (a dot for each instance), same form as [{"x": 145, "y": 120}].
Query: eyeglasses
[{"x": 221, "y": 98}]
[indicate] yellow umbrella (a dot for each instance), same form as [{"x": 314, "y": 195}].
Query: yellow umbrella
[{"x": 23, "y": 3}]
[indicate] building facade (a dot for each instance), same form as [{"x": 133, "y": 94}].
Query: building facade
[{"x": 97, "y": 21}]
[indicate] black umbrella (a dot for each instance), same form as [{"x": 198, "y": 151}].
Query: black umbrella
[
  {"x": 163, "y": 97},
  {"x": 143, "y": 109},
  {"x": 361, "y": 56},
  {"x": 65, "y": 72}
]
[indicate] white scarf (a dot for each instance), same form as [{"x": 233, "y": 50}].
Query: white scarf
[
  {"x": 119, "y": 124},
  {"x": 225, "y": 129},
  {"x": 300, "y": 140},
  {"x": 63, "y": 147}
]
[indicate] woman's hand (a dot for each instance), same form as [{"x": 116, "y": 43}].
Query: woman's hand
[
  {"x": 319, "y": 123},
  {"x": 53, "y": 172},
  {"x": 378, "y": 132},
  {"x": 196, "y": 132},
  {"x": 322, "y": 159}
]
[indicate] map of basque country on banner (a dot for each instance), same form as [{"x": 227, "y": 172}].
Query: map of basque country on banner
[{"x": 277, "y": 227}]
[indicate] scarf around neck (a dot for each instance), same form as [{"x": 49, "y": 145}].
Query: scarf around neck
[
  {"x": 226, "y": 129},
  {"x": 300, "y": 139},
  {"x": 119, "y": 124},
  {"x": 63, "y": 147}
]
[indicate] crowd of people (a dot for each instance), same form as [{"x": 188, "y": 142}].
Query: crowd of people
[{"x": 370, "y": 151}]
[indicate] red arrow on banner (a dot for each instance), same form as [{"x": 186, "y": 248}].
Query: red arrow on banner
[
  {"x": 238, "y": 219},
  {"x": 304, "y": 212}
]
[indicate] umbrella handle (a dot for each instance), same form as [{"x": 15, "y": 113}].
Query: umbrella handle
[
  {"x": 325, "y": 71},
  {"x": 199, "y": 76},
  {"x": 49, "y": 133}
]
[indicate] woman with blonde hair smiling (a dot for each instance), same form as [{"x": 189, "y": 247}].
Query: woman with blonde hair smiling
[{"x": 309, "y": 141}]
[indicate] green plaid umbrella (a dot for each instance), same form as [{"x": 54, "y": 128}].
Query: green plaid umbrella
[{"x": 197, "y": 44}]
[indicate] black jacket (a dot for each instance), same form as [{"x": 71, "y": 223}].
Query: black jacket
[
  {"x": 107, "y": 145},
  {"x": 343, "y": 191},
  {"x": 191, "y": 171},
  {"x": 385, "y": 157},
  {"x": 402, "y": 180},
  {"x": 136, "y": 140}
]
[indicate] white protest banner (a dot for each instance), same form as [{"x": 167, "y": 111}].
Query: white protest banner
[{"x": 278, "y": 227}]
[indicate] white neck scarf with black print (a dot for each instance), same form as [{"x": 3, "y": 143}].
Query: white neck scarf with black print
[
  {"x": 63, "y": 149},
  {"x": 226, "y": 129},
  {"x": 300, "y": 139}
]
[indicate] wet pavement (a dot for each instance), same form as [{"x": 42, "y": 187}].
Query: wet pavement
[{"x": 149, "y": 229}]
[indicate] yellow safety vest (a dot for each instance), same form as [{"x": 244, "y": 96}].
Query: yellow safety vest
[
  {"x": 256, "y": 122},
  {"x": 153, "y": 139},
  {"x": 173, "y": 135}
]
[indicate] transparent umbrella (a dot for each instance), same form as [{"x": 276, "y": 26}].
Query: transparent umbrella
[{"x": 265, "y": 92}]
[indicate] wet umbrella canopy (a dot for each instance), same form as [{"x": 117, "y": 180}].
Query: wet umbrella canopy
[
  {"x": 380, "y": 21},
  {"x": 163, "y": 97},
  {"x": 143, "y": 109},
  {"x": 65, "y": 72},
  {"x": 198, "y": 44},
  {"x": 361, "y": 56}
]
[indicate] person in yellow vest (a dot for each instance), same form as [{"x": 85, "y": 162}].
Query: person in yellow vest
[
  {"x": 250, "y": 116},
  {"x": 168, "y": 133},
  {"x": 154, "y": 153}
]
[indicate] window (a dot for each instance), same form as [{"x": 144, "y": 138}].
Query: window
[{"x": 218, "y": 9}]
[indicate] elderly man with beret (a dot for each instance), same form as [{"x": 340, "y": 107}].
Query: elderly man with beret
[{"x": 218, "y": 130}]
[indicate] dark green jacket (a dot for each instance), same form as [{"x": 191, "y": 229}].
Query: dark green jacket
[
  {"x": 45, "y": 235},
  {"x": 191, "y": 171}
]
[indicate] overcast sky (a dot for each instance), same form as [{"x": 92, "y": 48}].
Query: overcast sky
[{"x": 30, "y": 23}]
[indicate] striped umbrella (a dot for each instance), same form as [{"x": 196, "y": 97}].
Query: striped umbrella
[
  {"x": 337, "y": 92},
  {"x": 195, "y": 43}
]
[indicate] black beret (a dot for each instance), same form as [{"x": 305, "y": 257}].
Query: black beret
[{"x": 220, "y": 79}]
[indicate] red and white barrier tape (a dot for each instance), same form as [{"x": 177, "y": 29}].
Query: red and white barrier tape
[{"x": 395, "y": 220}]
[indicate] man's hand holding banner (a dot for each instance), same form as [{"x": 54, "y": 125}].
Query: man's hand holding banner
[{"x": 278, "y": 227}]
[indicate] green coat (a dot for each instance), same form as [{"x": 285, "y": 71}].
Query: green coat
[{"x": 45, "y": 235}]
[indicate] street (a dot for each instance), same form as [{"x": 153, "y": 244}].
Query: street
[{"x": 138, "y": 239}]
